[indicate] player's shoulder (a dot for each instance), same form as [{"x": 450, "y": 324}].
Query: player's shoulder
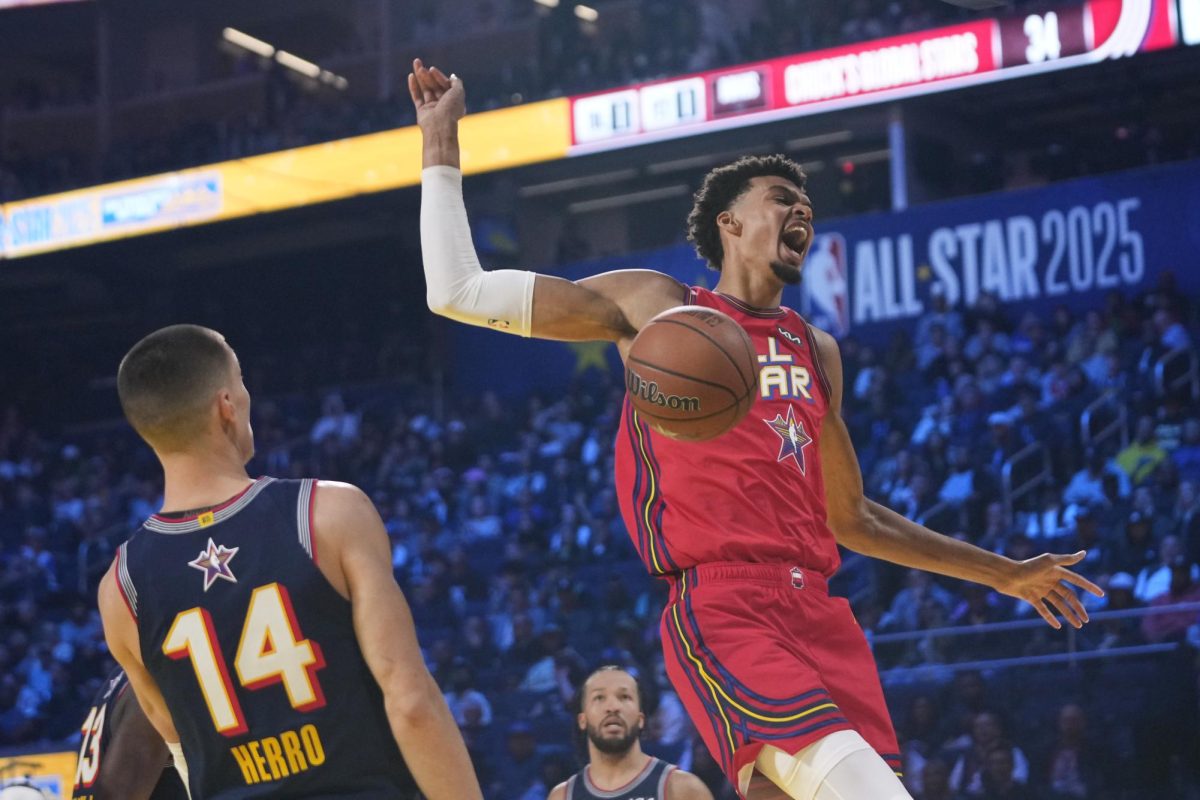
[
  {"x": 333, "y": 500},
  {"x": 683, "y": 785},
  {"x": 558, "y": 792}
]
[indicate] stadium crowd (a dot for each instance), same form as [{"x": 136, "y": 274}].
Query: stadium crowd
[{"x": 508, "y": 542}]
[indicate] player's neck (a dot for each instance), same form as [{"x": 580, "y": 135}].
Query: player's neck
[
  {"x": 611, "y": 771},
  {"x": 753, "y": 287},
  {"x": 200, "y": 480}
]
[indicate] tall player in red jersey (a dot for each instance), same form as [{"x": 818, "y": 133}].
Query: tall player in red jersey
[{"x": 776, "y": 674}]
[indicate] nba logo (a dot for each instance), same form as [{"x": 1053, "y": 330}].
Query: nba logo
[{"x": 826, "y": 300}]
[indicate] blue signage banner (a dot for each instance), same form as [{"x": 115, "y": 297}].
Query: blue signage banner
[{"x": 1067, "y": 244}]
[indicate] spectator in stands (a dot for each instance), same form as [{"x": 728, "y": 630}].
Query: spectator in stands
[
  {"x": 922, "y": 737},
  {"x": 1186, "y": 518},
  {"x": 1172, "y": 335},
  {"x": 935, "y": 782},
  {"x": 1184, "y": 587},
  {"x": 1136, "y": 550},
  {"x": 904, "y": 613},
  {"x": 1156, "y": 580},
  {"x": 1077, "y": 768},
  {"x": 962, "y": 484},
  {"x": 998, "y": 780},
  {"x": 1143, "y": 455},
  {"x": 1186, "y": 456},
  {"x": 335, "y": 422},
  {"x": 1087, "y": 485},
  {"x": 969, "y": 770},
  {"x": 518, "y": 765},
  {"x": 1118, "y": 597},
  {"x": 464, "y": 695}
]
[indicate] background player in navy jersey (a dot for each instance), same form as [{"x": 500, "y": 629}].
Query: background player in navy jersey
[
  {"x": 610, "y": 717},
  {"x": 258, "y": 620},
  {"x": 776, "y": 675},
  {"x": 121, "y": 755}
]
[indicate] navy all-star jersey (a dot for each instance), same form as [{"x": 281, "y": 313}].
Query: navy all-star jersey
[
  {"x": 650, "y": 784},
  {"x": 115, "y": 715},
  {"x": 255, "y": 652}
]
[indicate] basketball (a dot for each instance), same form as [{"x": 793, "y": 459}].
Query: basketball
[{"x": 692, "y": 373}]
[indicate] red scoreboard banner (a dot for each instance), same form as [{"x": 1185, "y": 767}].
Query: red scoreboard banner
[{"x": 869, "y": 72}]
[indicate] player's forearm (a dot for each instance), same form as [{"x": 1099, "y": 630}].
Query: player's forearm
[
  {"x": 439, "y": 146},
  {"x": 433, "y": 747},
  {"x": 887, "y": 535}
]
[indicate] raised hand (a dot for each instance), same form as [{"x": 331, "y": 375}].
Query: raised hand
[
  {"x": 440, "y": 100},
  {"x": 1042, "y": 582}
]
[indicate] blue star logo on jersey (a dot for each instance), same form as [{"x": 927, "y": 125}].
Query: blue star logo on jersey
[
  {"x": 213, "y": 561},
  {"x": 792, "y": 438}
]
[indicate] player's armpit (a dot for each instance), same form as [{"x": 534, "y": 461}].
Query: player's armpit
[
  {"x": 121, "y": 634},
  {"x": 611, "y": 307},
  {"x": 686, "y": 786},
  {"x": 349, "y": 527},
  {"x": 135, "y": 756}
]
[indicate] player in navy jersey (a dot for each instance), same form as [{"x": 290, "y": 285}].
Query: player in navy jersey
[
  {"x": 610, "y": 717},
  {"x": 775, "y": 673},
  {"x": 121, "y": 756},
  {"x": 258, "y": 620}
]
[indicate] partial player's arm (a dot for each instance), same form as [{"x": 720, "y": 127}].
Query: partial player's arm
[
  {"x": 558, "y": 792},
  {"x": 869, "y": 528},
  {"x": 121, "y": 633},
  {"x": 356, "y": 558},
  {"x": 610, "y": 307},
  {"x": 134, "y": 757},
  {"x": 686, "y": 786}
]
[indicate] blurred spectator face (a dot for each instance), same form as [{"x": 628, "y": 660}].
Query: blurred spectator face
[
  {"x": 611, "y": 715},
  {"x": 1071, "y": 723},
  {"x": 1181, "y": 576},
  {"x": 985, "y": 730},
  {"x": 1172, "y": 550},
  {"x": 521, "y": 744},
  {"x": 923, "y": 715}
]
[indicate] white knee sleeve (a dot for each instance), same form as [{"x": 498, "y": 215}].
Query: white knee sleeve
[
  {"x": 181, "y": 766},
  {"x": 456, "y": 285},
  {"x": 841, "y": 766}
]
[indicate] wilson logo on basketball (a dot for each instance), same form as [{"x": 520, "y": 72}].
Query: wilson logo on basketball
[{"x": 648, "y": 391}]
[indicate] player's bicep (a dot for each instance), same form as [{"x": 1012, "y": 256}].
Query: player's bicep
[
  {"x": 120, "y": 632},
  {"x": 383, "y": 624},
  {"x": 846, "y": 504},
  {"x": 610, "y": 307}
]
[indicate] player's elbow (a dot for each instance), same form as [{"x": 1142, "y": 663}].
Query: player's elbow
[
  {"x": 415, "y": 707},
  {"x": 852, "y": 524}
]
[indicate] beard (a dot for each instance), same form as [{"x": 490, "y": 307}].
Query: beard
[
  {"x": 788, "y": 274},
  {"x": 611, "y": 745}
]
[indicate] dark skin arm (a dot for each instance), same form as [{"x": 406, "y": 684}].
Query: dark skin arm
[
  {"x": 866, "y": 527},
  {"x": 135, "y": 755},
  {"x": 611, "y": 307}
]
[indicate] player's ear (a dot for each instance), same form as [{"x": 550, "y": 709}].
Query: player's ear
[
  {"x": 727, "y": 222},
  {"x": 581, "y": 721}
]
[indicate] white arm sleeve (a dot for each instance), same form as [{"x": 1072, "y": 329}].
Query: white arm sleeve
[{"x": 456, "y": 285}]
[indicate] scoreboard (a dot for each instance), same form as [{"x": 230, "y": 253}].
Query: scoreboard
[{"x": 885, "y": 69}]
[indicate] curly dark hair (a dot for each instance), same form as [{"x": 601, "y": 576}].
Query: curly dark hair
[{"x": 721, "y": 188}]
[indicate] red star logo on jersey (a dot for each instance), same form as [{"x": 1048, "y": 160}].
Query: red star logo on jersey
[
  {"x": 792, "y": 438},
  {"x": 214, "y": 563}
]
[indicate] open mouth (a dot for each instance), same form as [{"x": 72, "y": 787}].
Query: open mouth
[{"x": 795, "y": 240}]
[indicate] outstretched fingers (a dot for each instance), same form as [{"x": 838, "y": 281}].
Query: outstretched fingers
[
  {"x": 1059, "y": 599},
  {"x": 1040, "y": 607},
  {"x": 1078, "y": 580}
]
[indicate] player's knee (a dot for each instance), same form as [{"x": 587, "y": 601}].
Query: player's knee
[{"x": 841, "y": 766}]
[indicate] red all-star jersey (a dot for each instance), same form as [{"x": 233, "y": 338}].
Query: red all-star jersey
[{"x": 755, "y": 494}]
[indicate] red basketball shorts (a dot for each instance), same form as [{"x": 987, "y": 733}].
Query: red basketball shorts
[{"x": 761, "y": 654}]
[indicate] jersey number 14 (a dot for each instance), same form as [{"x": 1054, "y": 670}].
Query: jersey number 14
[{"x": 271, "y": 650}]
